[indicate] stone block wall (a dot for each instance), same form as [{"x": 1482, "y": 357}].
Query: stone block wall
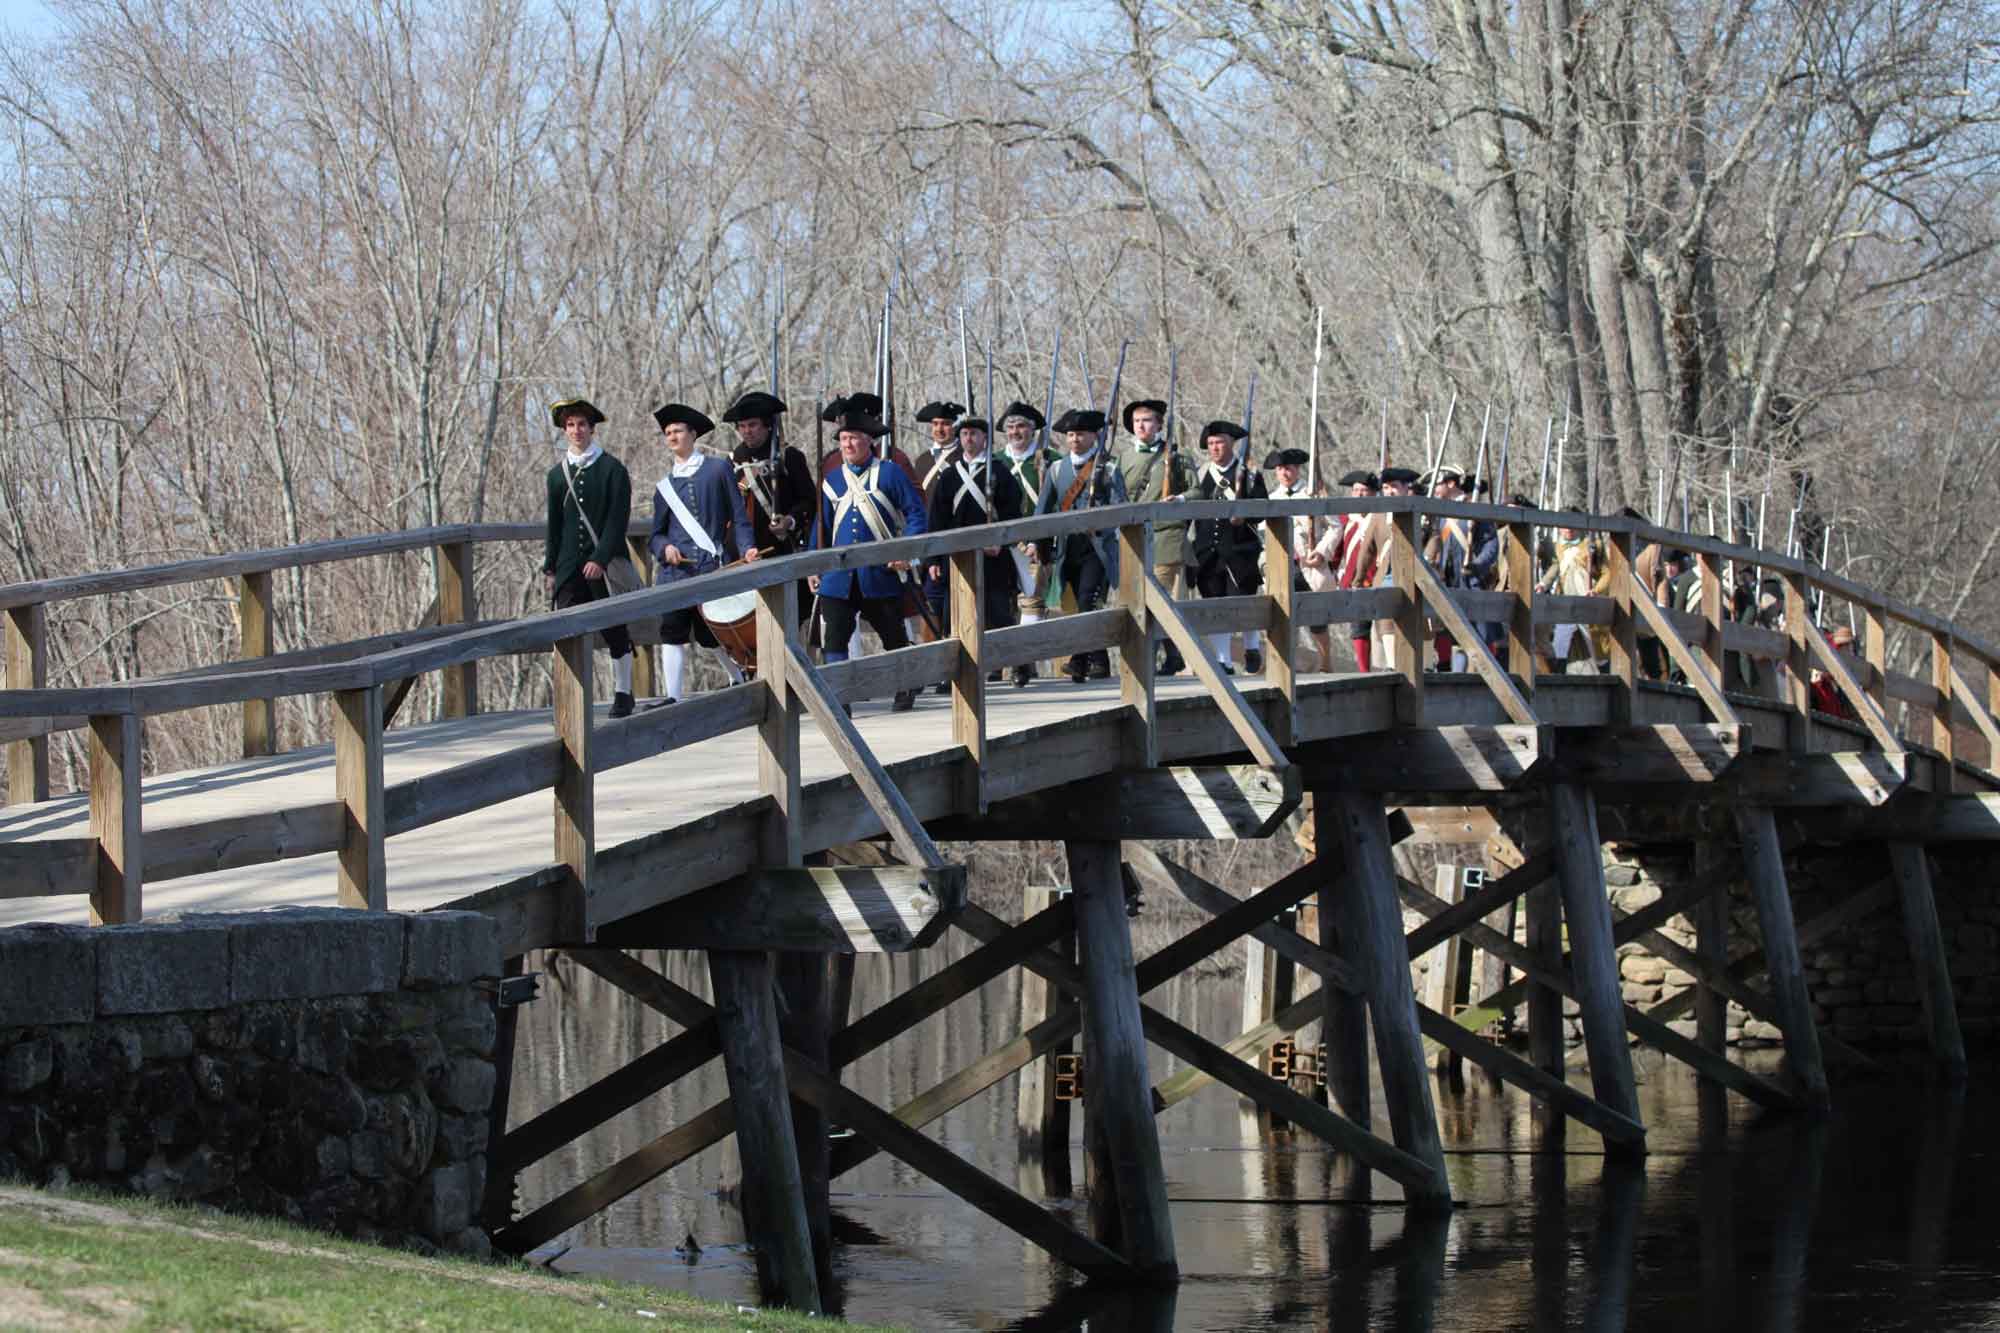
[{"x": 328, "y": 1067}]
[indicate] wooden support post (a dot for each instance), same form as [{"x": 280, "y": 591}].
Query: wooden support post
[
  {"x": 1517, "y": 557},
  {"x": 1256, "y": 983},
  {"x": 806, "y": 980},
  {"x": 357, "y": 778},
  {"x": 458, "y": 604},
  {"x": 1928, "y": 957},
  {"x": 1593, "y": 952},
  {"x": 1283, "y": 631},
  {"x": 1344, "y": 1025},
  {"x": 1041, "y": 1119},
  {"x": 116, "y": 898},
  {"x": 1711, "y": 925},
  {"x": 967, "y": 593},
  {"x": 1441, "y": 981},
  {"x": 778, "y": 734},
  {"x": 1624, "y": 626},
  {"x": 496, "y": 1208},
  {"x": 1372, "y": 920},
  {"x": 1117, "y": 1087},
  {"x": 253, "y": 614},
  {"x": 1709, "y": 649},
  {"x": 575, "y": 797},
  {"x": 1764, "y": 868},
  {"x": 1409, "y": 619},
  {"x": 28, "y": 669},
  {"x": 1284, "y": 985},
  {"x": 1798, "y": 662},
  {"x": 773, "y": 1198},
  {"x": 1546, "y": 1035},
  {"x": 645, "y": 662},
  {"x": 1941, "y": 737},
  {"x": 1137, "y": 741}
]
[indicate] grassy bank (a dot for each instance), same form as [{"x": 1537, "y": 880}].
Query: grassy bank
[{"x": 84, "y": 1260}]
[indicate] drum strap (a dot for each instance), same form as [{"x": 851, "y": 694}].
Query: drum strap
[{"x": 681, "y": 512}]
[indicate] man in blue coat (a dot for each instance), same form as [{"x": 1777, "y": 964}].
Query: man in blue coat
[
  {"x": 865, "y": 500},
  {"x": 699, "y": 525}
]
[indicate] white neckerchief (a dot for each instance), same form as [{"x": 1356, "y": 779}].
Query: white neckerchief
[
  {"x": 1022, "y": 455},
  {"x": 1078, "y": 460},
  {"x": 1291, "y": 492},
  {"x": 584, "y": 459},
  {"x": 689, "y": 468}
]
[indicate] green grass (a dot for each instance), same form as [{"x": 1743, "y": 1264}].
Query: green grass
[{"x": 83, "y": 1259}]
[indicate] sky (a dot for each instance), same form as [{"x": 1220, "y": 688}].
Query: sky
[{"x": 33, "y": 18}]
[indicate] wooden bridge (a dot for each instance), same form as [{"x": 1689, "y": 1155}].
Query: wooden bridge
[{"x": 725, "y": 824}]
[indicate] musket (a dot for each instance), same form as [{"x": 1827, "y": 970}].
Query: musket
[
  {"x": 778, "y": 423},
  {"x": 991, "y": 405},
  {"x": 1548, "y": 443},
  {"x": 1249, "y": 415},
  {"x": 889, "y": 364},
  {"x": 1383, "y": 461},
  {"x": 1479, "y": 458},
  {"x": 1104, "y": 466},
  {"x": 1444, "y": 432},
  {"x": 1312, "y": 425},
  {"x": 1049, "y": 403},
  {"x": 965, "y": 360},
  {"x": 1173, "y": 384},
  {"x": 1500, "y": 472}
]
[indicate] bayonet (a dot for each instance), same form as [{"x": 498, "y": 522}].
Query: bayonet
[
  {"x": 1444, "y": 433},
  {"x": 1049, "y": 404},
  {"x": 964, "y": 361},
  {"x": 1479, "y": 458},
  {"x": 1382, "y": 462},
  {"x": 1312, "y": 426}
]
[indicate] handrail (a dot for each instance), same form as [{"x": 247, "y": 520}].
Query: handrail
[{"x": 545, "y": 630}]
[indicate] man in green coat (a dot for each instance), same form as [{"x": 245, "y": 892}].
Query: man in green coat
[
  {"x": 590, "y": 507},
  {"x": 1154, "y": 470}
]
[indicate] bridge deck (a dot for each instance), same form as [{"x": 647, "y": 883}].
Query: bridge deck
[{"x": 431, "y": 866}]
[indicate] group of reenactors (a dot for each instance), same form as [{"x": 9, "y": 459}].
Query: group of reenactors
[{"x": 772, "y": 499}]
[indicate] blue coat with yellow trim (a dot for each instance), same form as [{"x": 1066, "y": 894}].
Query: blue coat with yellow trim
[{"x": 902, "y": 507}]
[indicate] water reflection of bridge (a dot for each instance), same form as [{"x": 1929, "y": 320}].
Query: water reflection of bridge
[{"x": 719, "y": 825}]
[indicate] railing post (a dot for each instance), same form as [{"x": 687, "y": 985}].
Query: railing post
[
  {"x": 645, "y": 662},
  {"x": 116, "y": 897},
  {"x": 1875, "y": 652},
  {"x": 253, "y": 615},
  {"x": 1409, "y": 617},
  {"x": 967, "y": 600},
  {"x": 1798, "y": 660},
  {"x": 458, "y": 604},
  {"x": 1624, "y": 626},
  {"x": 1517, "y": 557},
  {"x": 1710, "y": 648},
  {"x": 28, "y": 669},
  {"x": 1138, "y": 747},
  {"x": 1941, "y": 739},
  {"x": 357, "y": 778},
  {"x": 575, "y": 813},
  {"x": 778, "y": 733},
  {"x": 1283, "y": 630}
]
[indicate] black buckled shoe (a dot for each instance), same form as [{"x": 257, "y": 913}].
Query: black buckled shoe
[
  {"x": 1079, "y": 668},
  {"x": 1172, "y": 664},
  {"x": 1022, "y": 675},
  {"x": 1253, "y": 662},
  {"x": 621, "y": 704},
  {"x": 905, "y": 701},
  {"x": 1100, "y": 665}
]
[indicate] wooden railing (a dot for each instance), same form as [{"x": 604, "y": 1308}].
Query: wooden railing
[{"x": 363, "y": 812}]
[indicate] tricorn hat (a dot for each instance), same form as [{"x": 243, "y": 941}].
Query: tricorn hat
[
  {"x": 974, "y": 423},
  {"x": 1027, "y": 412},
  {"x": 686, "y": 416},
  {"x": 1362, "y": 477},
  {"x": 947, "y": 410},
  {"x": 1405, "y": 475},
  {"x": 861, "y": 402},
  {"x": 1228, "y": 430},
  {"x": 1079, "y": 418},
  {"x": 863, "y": 422},
  {"x": 1456, "y": 476},
  {"x": 559, "y": 410},
  {"x": 755, "y": 406},
  {"x": 1154, "y": 405},
  {"x": 1287, "y": 458}
]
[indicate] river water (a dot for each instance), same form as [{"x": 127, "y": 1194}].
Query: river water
[{"x": 1884, "y": 1217}]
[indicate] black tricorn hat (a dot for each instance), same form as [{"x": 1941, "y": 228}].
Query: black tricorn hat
[
  {"x": 861, "y": 402},
  {"x": 863, "y": 422},
  {"x": 1287, "y": 458},
  {"x": 1079, "y": 418},
  {"x": 974, "y": 423},
  {"x": 1158, "y": 408},
  {"x": 1229, "y": 430},
  {"x": 1026, "y": 411},
  {"x": 559, "y": 410},
  {"x": 1452, "y": 474},
  {"x": 685, "y": 415},
  {"x": 755, "y": 406},
  {"x": 1408, "y": 476},
  {"x": 948, "y": 410},
  {"x": 1362, "y": 477}
]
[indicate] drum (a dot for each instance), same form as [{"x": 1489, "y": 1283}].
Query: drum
[{"x": 733, "y": 622}]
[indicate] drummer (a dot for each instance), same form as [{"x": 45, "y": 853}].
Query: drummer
[{"x": 699, "y": 525}]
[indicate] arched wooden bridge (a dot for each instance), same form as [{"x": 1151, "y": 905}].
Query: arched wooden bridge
[{"x": 707, "y": 825}]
